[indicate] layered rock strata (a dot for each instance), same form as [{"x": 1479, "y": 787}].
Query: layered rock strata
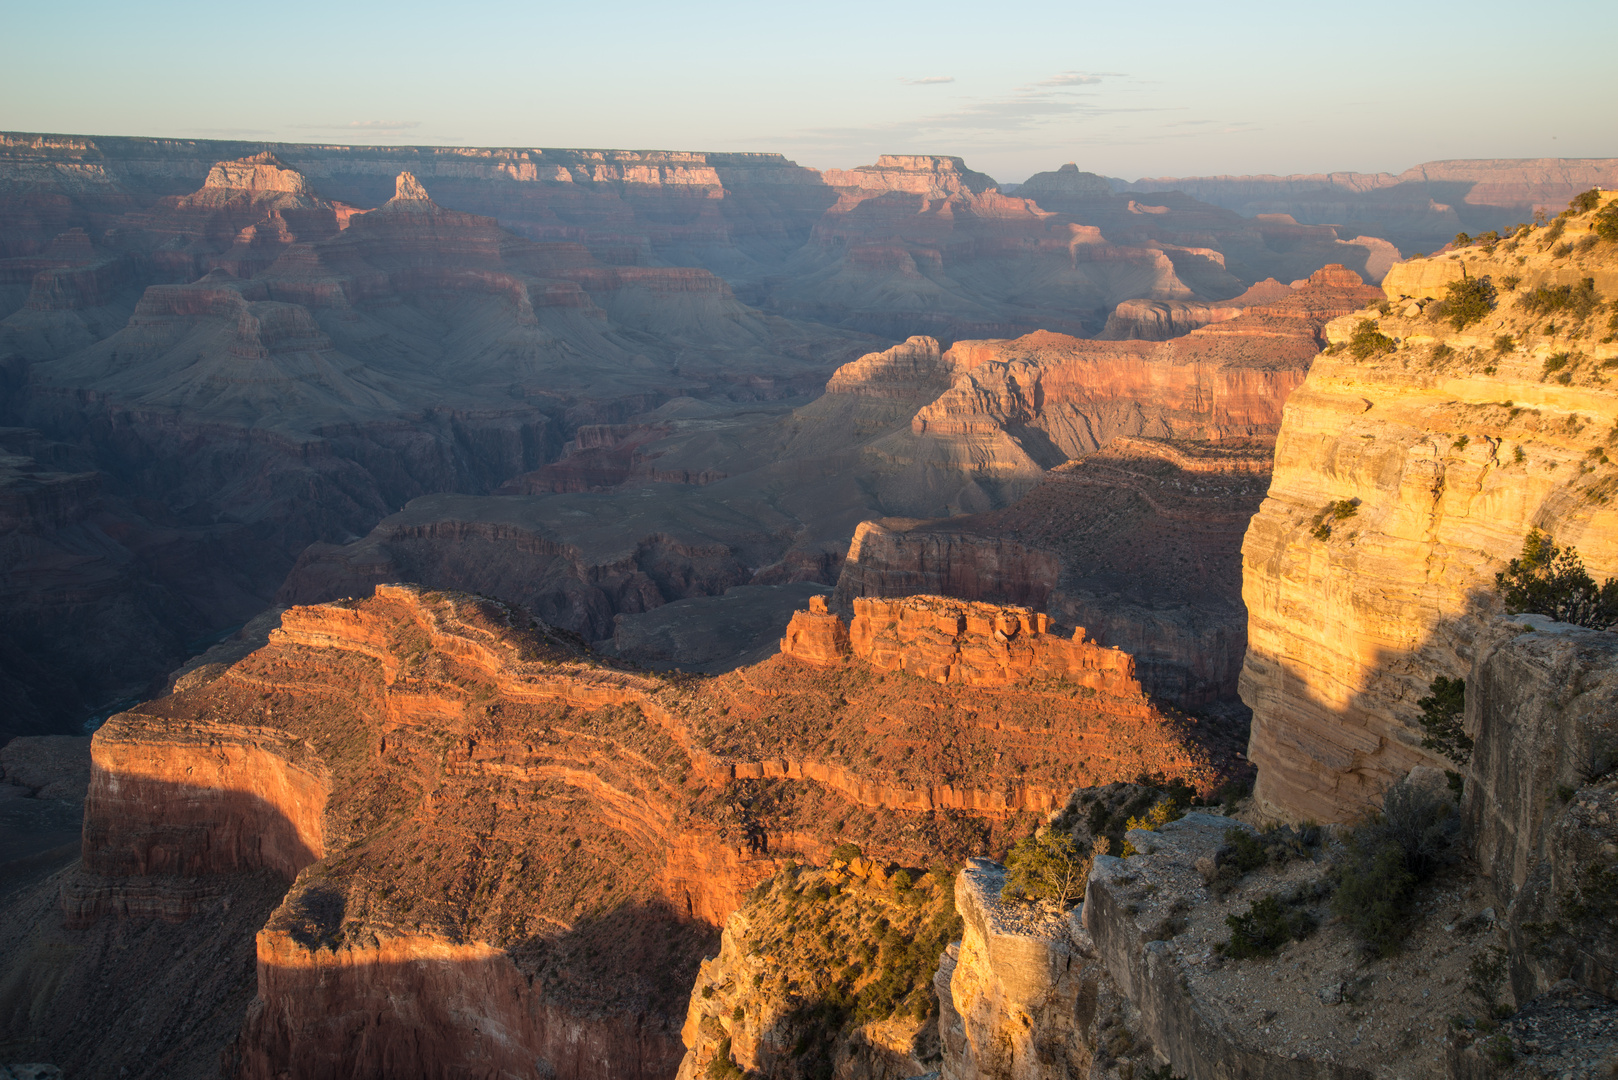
[
  {"x": 1403, "y": 481},
  {"x": 1020, "y": 993},
  {"x": 1139, "y": 543},
  {"x": 478, "y": 822}
]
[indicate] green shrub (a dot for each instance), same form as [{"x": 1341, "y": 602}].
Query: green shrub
[
  {"x": 1579, "y": 301},
  {"x": 846, "y": 852},
  {"x": 1606, "y": 222},
  {"x": 1586, "y": 201},
  {"x": 1510, "y": 282},
  {"x": 1368, "y": 341},
  {"x": 1466, "y": 301},
  {"x": 1441, "y": 352},
  {"x": 1462, "y": 240},
  {"x": 1264, "y": 928},
  {"x": 1554, "y": 233},
  {"x": 1504, "y": 343},
  {"x": 1242, "y": 851},
  {"x": 1048, "y": 867},
  {"x": 721, "y": 1067},
  {"x": 1552, "y": 581},
  {"x": 1385, "y": 859},
  {"x": 1341, "y": 510},
  {"x": 1440, "y": 720}
]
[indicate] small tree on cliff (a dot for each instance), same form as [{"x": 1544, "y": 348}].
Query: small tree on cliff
[
  {"x": 1552, "y": 581},
  {"x": 1465, "y": 302},
  {"x": 1049, "y": 866},
  {"x": 1441, "y": 713}
]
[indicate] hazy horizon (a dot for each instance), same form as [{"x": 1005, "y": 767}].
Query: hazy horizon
[{"x": 1191, "y": 91}]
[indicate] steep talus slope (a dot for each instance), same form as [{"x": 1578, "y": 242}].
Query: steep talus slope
[
  {"x": 1403, "y": 481},
  {"x": 479, "y": 822}
]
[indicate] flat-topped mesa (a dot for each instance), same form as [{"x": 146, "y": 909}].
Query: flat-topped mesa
[
  {"x": 953, "y": 641},
  {"x": 935, "y": 176},
  {"x": 258, "y": 173}
]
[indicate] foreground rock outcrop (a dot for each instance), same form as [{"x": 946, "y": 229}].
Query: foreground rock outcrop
[
  {"x": 486, "y": 830},
  {"x": 1404, "y": 479},
  {"x": 825, "y": 973}
]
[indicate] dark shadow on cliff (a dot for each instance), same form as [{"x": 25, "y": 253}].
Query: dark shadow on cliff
[
  {"x": 604, "y": 999},
  {"x": 202, "y": 830},
  {"x": 1347, "y": 756},
  {"x": 138, "y": 998}
]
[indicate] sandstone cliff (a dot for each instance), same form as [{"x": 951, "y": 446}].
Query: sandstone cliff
[{"x": 1438, "y": 457}]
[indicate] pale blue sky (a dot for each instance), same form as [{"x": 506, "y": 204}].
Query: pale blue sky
[{"x": 1176, "y": 89}]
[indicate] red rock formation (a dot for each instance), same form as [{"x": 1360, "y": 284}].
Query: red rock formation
[
  {"x": 1140, "y": 543},
  {"x": 896, "y": 557},
  {"x": 816, "y": 636},
  {"x": 515, "y": 854}
]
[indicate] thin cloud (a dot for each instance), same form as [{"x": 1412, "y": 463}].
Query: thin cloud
[
  {"x": 930, "y": 80},
  {"x": 1070, "y": 78}
]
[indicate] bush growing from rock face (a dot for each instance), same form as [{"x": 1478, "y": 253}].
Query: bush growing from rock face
[
  {"x": 1552, "y": 581},
  {"x": 1368, "y": 341},
  {"x": 1606, "y": 222},
  {"x": 1267, "y": 925},
  {"x": 1579, "y": 301},
  {"x": 1466, "y": 301},
  {"x": 1049, "y": 867},
  {"x": 846, "y": 852},
  {"x": 1585, "y": 201}
]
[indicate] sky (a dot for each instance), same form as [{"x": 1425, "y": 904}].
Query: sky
[{"x": 1174, "y": 89}]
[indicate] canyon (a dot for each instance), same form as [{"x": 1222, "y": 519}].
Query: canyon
[{"x": 626, "y": 614}]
